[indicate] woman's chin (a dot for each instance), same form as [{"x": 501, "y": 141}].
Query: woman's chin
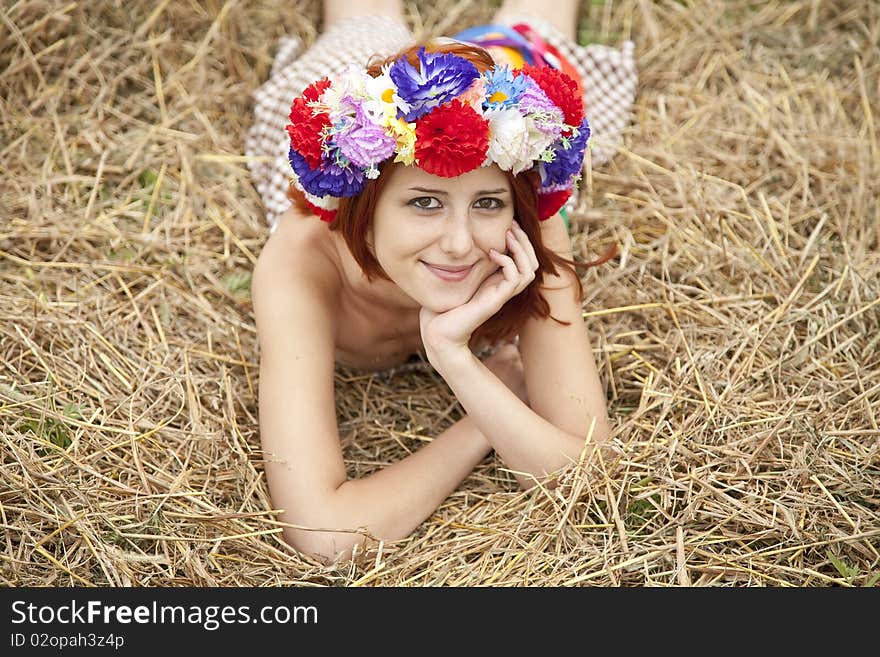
[
  {"x": 440, "y": 309},
  {"x": 442, "y": 303},
  {"x": 438, "y": 295}
]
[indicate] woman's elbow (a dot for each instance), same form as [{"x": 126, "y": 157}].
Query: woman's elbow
[
  {"x": 601, "y": 431},
  {"x": 326, "y": 547},
  {"x": 334, "y": 526}
]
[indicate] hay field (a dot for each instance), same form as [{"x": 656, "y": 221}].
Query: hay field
[{"x": 737, "y": 332}]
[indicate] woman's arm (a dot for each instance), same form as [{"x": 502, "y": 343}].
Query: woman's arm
[
  {"x": 566, "y": 399},
  {"x": 293, "y": 307}
]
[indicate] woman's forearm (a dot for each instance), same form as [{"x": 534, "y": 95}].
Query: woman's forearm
[
  {"x": 526, "y": 442},
  {"x": 390, "y": 503}
]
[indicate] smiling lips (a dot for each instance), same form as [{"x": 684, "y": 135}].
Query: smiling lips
[{"x": 452, "y": 274}]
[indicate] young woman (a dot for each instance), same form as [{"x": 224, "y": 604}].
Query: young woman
[{"x": 438, "y": 172}]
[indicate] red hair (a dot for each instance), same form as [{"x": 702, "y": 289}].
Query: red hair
[{"x": 355, "y": 215}]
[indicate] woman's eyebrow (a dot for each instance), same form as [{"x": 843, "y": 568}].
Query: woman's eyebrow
[{"x": 481, "y": 192}]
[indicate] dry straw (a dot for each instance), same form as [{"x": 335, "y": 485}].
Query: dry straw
[{"x": 736, "y": 333}]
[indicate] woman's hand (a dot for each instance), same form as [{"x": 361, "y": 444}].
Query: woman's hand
[{"x": 449, "y": 332}]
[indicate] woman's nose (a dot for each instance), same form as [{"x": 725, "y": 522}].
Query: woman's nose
[{"x": 457, "y": 238}]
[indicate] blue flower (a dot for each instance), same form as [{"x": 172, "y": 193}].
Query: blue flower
[
  {"x": 503, "y": 88},
  {"x": 442, "y": 77},
  {"x": 329, "y": 179},
  {"x": 568, "y": 161}
]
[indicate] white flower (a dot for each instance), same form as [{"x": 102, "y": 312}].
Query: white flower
[
  {"x": 348, "y": 84},
  {"x": 509, "y": 140},
  {"x": 539, "y": 138},
  {"x": 382, "y": 98}
]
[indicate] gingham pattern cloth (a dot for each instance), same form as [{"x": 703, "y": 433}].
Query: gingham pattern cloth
[{"x": 608, "y": 76}]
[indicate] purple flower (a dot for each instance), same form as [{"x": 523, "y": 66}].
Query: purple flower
[
  {"x": 442, "y": 77},
  {"x": 361, "y": 140},
  {"x": 329, "y": 179},
  {"x": 366, "y": 145},
  {"x": 568, "y": 161},
  {"x": 535, "y": 101},
  {"x": 559, "y": 187}
]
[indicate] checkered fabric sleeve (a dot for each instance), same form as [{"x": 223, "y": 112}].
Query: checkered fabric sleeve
[
  {"x": 609, "y": 79},
  {"x": 608, "y": 75}
]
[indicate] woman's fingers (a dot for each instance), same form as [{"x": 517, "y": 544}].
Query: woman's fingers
[
  {"x": 525, "y": 270},
  {"x": 519, "y": 258},
  {"x": 509, "y": 273},
  {"x": 527, "y": 244}
]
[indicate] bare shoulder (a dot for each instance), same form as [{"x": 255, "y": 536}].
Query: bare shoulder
[
  {"x": 555, "y": 236},
  {"x": 299, "y": 248},
  {"x": 295, "y": 289}
]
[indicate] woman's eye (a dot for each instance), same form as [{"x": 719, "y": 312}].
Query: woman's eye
[
  {"x": 425, "y": 203},
  {"x": 489, "y": 203}
]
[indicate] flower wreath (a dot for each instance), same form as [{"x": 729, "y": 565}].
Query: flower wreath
[{"x": 443, "y": 116}]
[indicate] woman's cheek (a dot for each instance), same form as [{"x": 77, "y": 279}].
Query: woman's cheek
[{"x": 497, "y": 239}]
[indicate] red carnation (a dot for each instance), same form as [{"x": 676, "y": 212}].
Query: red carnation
[
  {"x": 315, "y": 90},
  {"x": 560, "y": 89},
  {"x": 306, "y": 128},
  {"x": 451, "y": 140},
  {"x": 549, "y": 204}
]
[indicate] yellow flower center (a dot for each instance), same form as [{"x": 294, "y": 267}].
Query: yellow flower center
[
  {"x": 388, "y": 95},
  {"x": 498, "y": 97}
]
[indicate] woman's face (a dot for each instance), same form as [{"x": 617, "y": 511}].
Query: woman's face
[{"x": 432, "y": 235}]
